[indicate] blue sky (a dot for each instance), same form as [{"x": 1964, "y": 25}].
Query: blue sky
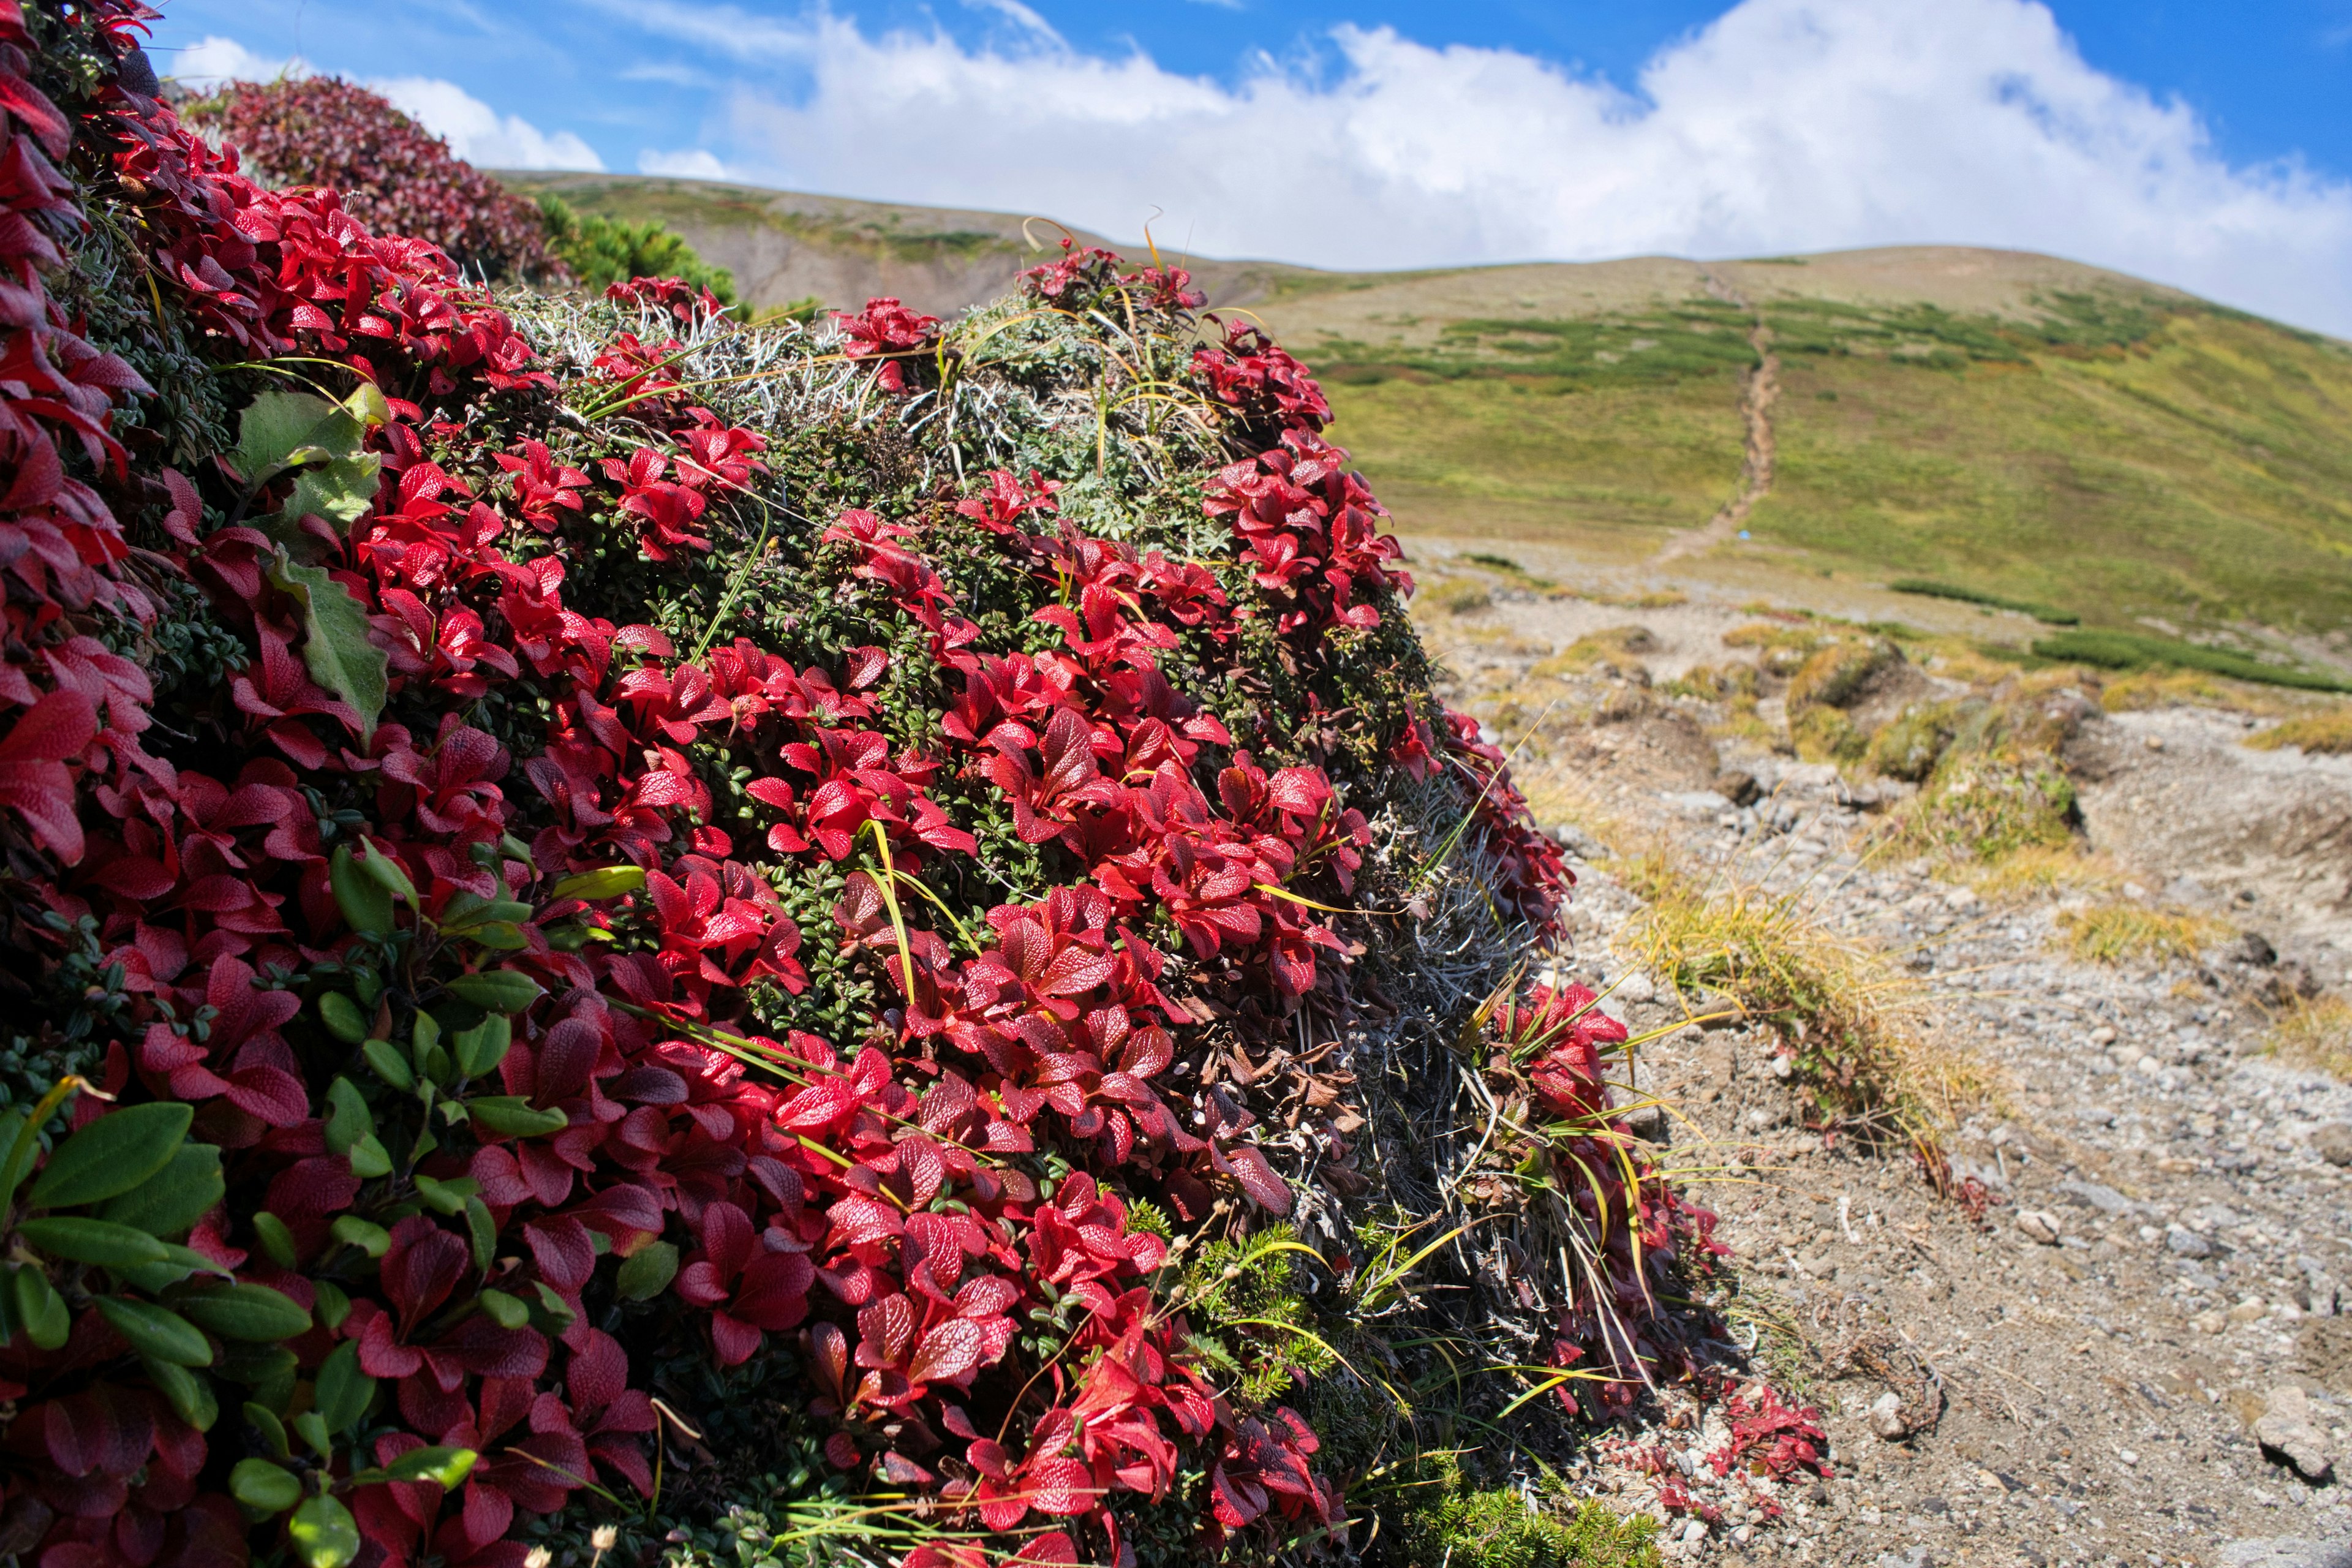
[{"x": 2203, "y": 144}]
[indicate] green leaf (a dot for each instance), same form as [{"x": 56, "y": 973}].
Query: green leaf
[
  {"x": 446, "y": 1198},
  {"x": 604, "y": 882},
  {"x": 276, "y": 1241},
  {"x": 353, "y": 1231},
  {"x": 483, "y": 1231},
  {"x": 156, "y": 1332},
  {"x": 14, "y": 1163},
  {"x": 646, "y": 1272},
  {"x": 172, "y": 1200},
  {"x": 349, "y": 1120},
  {"x": 507, "y": 1311},
  {"x": 281, "y": 429},
  {"x": 365, "y": 903},
  {"x": 189, "y": 1395},
  {"x": 312, "y": 1428},
  {"x": 387, "y": 872},
  {"x": 98, "y": 1241},
  {"x": 370, "y": 1159},
  {"x": 332, "y": 1305},
  {"x": 264, "y": 1420},
  {"x": 447, "y": 1465},
  {"x": 481, "y": 1049},
  {"x": 498, "y": 990},
  {"x": 343, "y": 1017},
  {"x": 335, "y": 647},
  {"x": 323, "y": 1532},
  {"x": 265, "y": 1487},
  {"x": 179, "y": 1263},
  {"x": 555, "y": 1313},
  {"x": 385, "y": 1058},
  {"x": 48, "y": 1321},
  {"x": 113, "y": 1154},
  {"x": 511, "y": 1116},
  {"x": 343, "y": 1391},
  {"x": 244, "y": 1311},
  {"x": 339, "y": 489}
]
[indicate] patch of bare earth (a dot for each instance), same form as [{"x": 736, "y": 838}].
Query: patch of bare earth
[{"x": 2131, "y": 1352}]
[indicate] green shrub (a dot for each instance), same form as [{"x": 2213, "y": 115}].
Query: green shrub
[
  {"x": 1455, "y": 1523},
  {"x": 2130, "y": 650},
  {"x": 602, "y": 250},
  {"x": 2045, "y": 613}
]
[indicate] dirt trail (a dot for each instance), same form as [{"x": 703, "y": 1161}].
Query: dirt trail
[
  {"x": 1758, "y": 389},
  {"x": 2140, "y": 1355}
]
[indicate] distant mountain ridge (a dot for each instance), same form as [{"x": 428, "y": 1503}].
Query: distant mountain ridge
[{"x": 2034, "y": 429}]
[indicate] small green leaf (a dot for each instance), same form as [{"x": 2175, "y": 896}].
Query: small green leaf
[
  {"x": 244, "y": 1311},
  {"x": 172, "y": 1200},
  {"x": 511, "y": 1116},
  {"x": 265, "y": 1487},
  {"x": 179, "y": 1263},
  {"x": 646, "y": 1272},
  {"x": 343, "y": 1017},
  {"x": 446, "y": 1198},
  {"x": 383, "y": 1056},
  {"x": 335, "y": 646},
  {"x": 324, "y": 1533},
  {"x": 498, "y": 990},
  {"x": 353, "y": 1231},
  {"x": 447, "y": 1465},
  {"x": 330, "y": 1305},
  {"x": 312, "y": 1428},
  {"x": 349, "y": 1120},
  {"x": 113, "y": 1154},
  {"x": 189, "y": 1394},
  {"x": 604, "y": 882},
  {"x": 387, "y": 872},
  {"x": 276, "y": 1241},
  {"x": 344, "y": 1390},
  {"x": 507, "y": 1311},
  {"x": 365, "y": 903},
  {"x": 156, "y": 1330},
  {"x": 554, "y": 1310},
  {"x": 483, "y": 1231},
  {"x": 498, "y": 936},
  {"x": 370, "y": 1159},
  {"x": 481, "y": 1049},
  {"x": 48, "y": 1321},
  {"x": 98, "y": 1241},
  {"x": 340, "y": 489},
  {"x": 264, "y": 1420}
]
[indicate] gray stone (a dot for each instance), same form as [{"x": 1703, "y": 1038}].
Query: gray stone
[
  {"x": 2039, "y": 1225},
  {"x": 2182, "y": 1242},
  {"x": 2286, "y": 1552},
  {"x": 2292, "y": 1432},
  {"x": 2332, "y": 1141},
  {"x": 2104, "y": 1199},
  {"x": 1886, "y": 1418}
]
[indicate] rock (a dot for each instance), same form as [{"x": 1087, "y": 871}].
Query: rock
[
  {"x": 2104, "y": 1036},
  {"x": 2182, "y": 1242},
  {"x": 2209, "y": 1323},
  {"x": 1579, "y": 843},
  {"x": 1960, "y": 899},
  {"x": 1696, "y": 802},
  {"x": 2092, "y": 1195},
  {"x": 2253, "y": 947},
  {"x": 2286, "y": 1552},
  {"x": 1886, "y": 1418},
  {"x": 2039, "y": 1225},
  {"x": 1650, "y": 1123},
  {"x": 1739, "y": 788},
  {"x": 2250, "y": 1311},
  {"x": 1635, "y": 987},
  {"x": 2332, "y": 1141},
  {"x": 2291, "y": 1432}
]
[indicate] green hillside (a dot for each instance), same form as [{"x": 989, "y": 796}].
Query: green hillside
[{"x": 2013, "y": 425}]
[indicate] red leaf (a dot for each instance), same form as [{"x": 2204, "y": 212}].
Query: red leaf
[{"x": 947, "y": 1351}]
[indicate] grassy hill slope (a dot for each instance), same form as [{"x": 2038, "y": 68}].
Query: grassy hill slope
[{"x": 2008, "y": 423}]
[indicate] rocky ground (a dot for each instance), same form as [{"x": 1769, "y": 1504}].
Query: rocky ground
[{"x": 2130, "y": 1350}]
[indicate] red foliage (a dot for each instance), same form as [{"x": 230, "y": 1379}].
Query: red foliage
[
  {"x": 583, "y": 907},
  {"x": 1269, "y": 391},
  {"x": 392, "y": 175}
]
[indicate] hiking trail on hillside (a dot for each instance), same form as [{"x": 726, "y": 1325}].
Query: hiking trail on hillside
[{"x": 1758, "y": 389}]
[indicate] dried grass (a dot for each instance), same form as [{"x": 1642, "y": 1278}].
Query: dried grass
[
  {"x": 2317, "y": 1034},
  {"x": 2121, "y": 932},
  {"x": 2328, "y": 733}
]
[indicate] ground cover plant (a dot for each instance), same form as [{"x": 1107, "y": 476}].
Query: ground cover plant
[{"x": 624, "y": 924}]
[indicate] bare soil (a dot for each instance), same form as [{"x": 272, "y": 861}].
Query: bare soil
[{"x": 2076, "y": 1368}]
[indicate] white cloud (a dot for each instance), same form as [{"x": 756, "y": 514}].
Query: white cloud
[
  {"x": 1785, "y": 125},
  {"x": 475, "y": 132},
  {"x": 691, "y": 164},
  {"x": 478, "y": 133},
  {"x": 212, "y": 61}
]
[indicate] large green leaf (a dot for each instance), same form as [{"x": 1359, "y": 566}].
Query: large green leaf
[
  {"x": 113, "y": 1154},
  {"x": 156, "y": 1332},
  {"x": 344, "y": 1390},
  {"x": 340, "y": 491},
  {"x": 324, "y": 1533},
  {"x": 98, "y": 1241},
  {"x": 172, "y": 1200},
  {"x": 263, "y": 1486},
  {"x": 335, "y": 647},
  {"x": 497, "y": 990},
  {"x": 280, "y": 430},
  {"x": 244, "y": 1311}
]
